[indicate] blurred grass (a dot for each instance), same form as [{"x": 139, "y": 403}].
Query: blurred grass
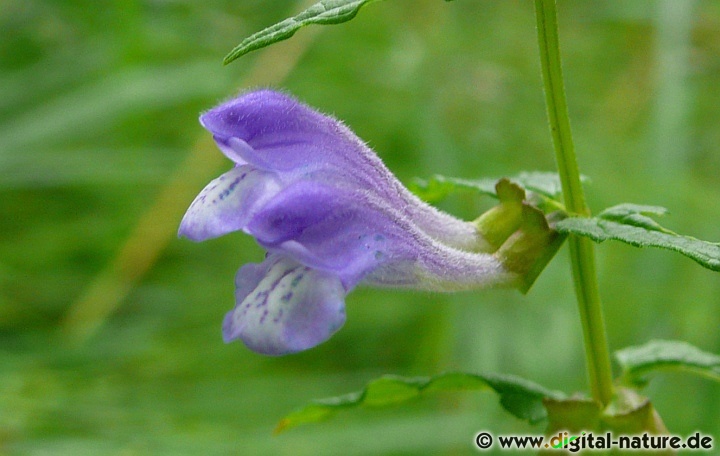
[{"x": 98, "y": 111}]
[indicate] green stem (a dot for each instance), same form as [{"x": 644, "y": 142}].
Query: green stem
[{"x": 581, "y": 249}]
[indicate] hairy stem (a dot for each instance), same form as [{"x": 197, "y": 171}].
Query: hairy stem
[{"x": 581, "y": 249}]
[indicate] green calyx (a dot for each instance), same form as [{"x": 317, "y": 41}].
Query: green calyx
[
  {"x": 519, "y": 234},
  {"x": 500, "y": 222}
]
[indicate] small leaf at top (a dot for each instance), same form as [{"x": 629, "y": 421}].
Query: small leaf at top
[
  {"x": 522, "y": 398},
  {"x": 636, "y": 362},
  {"x": 323, "y": 12},
  {"x": 629, "y": 223}
]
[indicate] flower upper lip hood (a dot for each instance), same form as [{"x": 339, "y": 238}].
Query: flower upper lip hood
[
  {"x": 330, "y": 215},
  {"x": 272, "y": 131}
]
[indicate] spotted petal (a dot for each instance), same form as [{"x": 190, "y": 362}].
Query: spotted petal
[
  {"x": 284, "y": 307},
  {"x": 227, "y": 203}
]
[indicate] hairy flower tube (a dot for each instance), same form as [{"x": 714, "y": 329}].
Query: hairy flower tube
[{"x": 331, "y": 216}]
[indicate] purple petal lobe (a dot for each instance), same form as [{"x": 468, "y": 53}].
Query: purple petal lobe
[
  {"x": 273, "y": 131},
  {"x": 296, "y": 208},
  {"x": 357, "y": 236},
  {"x": 331, "y": 229},
  {"x": 228, "y": 203},
  {"x": 235, "y": 149},
  {"x": 284, "y": 133},
  {"x": 284, "y": 307}
]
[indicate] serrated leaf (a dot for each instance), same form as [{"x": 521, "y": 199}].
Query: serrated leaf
[
  {"x": 636, "y": 215},
  {"x": 636, "y": 362},
  {"x": 522, "y": 398},
  {"x": 439, "y": 187},
  {"x": 324, "y": 12},
  {"x": 629, "y": 223}
]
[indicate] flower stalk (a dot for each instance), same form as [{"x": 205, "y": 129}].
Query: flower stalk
[{"x": 582, "y": 255}]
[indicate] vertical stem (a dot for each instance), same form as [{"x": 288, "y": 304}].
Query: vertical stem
[{"x": 581, "y": 249}]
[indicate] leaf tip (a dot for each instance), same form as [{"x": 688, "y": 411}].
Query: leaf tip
[{"x": 232, "y": 56}]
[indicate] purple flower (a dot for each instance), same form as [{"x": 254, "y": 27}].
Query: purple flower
[{"x": 330, "y": 215}]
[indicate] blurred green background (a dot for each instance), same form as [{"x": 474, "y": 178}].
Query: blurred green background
[{"x": 110, "y": 326}]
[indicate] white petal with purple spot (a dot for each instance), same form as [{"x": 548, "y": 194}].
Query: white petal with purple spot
[
  {"x": 284, "y": 307},
  {"x": 227, "y": 203}
]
